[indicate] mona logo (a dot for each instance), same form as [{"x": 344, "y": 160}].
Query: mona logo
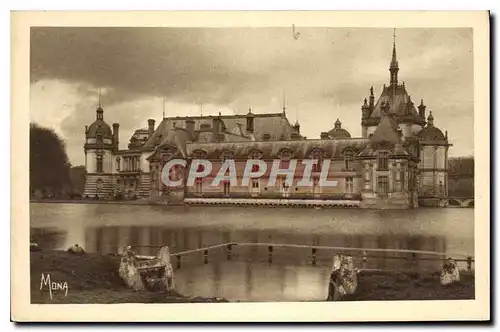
[{"x": 53, "y": 285}]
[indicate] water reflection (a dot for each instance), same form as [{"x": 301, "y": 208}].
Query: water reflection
[
  {"x": 248, "y": 275},
  {"x": 247, "y": 281}
]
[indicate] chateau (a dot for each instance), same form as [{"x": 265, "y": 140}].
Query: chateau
[{"x": 399, "y": 162}]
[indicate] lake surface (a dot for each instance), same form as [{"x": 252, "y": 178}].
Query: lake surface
[{"x": 249, "y": 275}]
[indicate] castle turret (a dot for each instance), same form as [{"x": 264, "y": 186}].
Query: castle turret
[
  {"x": 100, "y": 142},
  {"x": 372, "y": 98}
]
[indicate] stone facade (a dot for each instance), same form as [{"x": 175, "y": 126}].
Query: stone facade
[{"x": 399, "y": 162}]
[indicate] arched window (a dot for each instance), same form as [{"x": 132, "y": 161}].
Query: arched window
[
  {"x": 118, "y": 164},
  {"x": 317, "y": 155}
]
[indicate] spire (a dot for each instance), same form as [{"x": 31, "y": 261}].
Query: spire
[
  {"x": 284, "y": 101},
  {"x": 394, "y": 67},
  {"x": 163, "y": 105},
  {"x": 338, "y": 124},
  {"x": 430, "y": 120},
  {"x": 372, "y": 97},
  {"x": 99, "y": 111}
]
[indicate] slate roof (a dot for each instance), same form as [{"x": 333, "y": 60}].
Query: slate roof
[
  {"x": 399, "y": 101},
  {"x": 276, "y": 125}
]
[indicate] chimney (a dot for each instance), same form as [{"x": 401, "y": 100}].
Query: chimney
[
  {"x": 218, "y": 126},
  {"x": 116, "y": 138},
  {"x": 205, "y": 127},
  {"x": 421, "y": 109},
  {"x": 324, "y": 135},
  {"x": 151, "y": 127},
  {"x": 190, "y": 127},
  {"x": 250, "y": 121}
]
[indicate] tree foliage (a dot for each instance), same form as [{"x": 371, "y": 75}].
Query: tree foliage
[
  {"x": 49, "y": 164},
  {"x": 461, "y": 166},
  {"x": 461, "y": 177},
  {"x": 77, "y": 176}
]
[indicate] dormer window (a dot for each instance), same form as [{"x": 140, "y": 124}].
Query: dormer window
[
  {"x": 255, "y": 154},
  {"x": 226, "y": 155},
  {"x": 285, "y": 155},
  {"x": 199, "y": 154},
  {"x": 317, "y": 155},
  {"x": 348, "y": 159}
]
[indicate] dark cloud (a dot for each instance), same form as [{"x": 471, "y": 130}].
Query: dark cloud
[{"x": 326, "y": 71}]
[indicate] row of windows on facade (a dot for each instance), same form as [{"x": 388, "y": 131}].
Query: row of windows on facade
[
  {"x": 133, "y": 163},
  {"x": 129, "y": 163},
  {"x": 382, "y": 186},
  {"x": 285, "y": 189}
]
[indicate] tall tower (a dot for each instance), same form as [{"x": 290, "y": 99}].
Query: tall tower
[{"x": 98, "y": 148}]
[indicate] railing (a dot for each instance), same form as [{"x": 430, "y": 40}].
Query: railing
[
  {"x": 362, "y": 252},
  {"x": 290, "y": 195}
]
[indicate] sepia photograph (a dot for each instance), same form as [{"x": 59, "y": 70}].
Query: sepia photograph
[{"x": 330, "y": 164}]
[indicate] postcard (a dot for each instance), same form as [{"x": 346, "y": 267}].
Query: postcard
[{"x": 250, "y": 166}]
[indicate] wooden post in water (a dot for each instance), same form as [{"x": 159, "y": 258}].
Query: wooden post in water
[
  {"x": 270, "y": 253},
  {"x": 205, "y": 257},
  {"x": 469, "y": 263},
  {"x": 229, "y": 249},
  {"x": 314, "y": 256},
  {"x": 413, "y": 260},
  {"x": 363, "y": 263},
  {"x": 179, "y": 262}
]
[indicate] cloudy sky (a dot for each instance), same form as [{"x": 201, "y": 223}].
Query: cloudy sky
[{"x": 324, "y": 74}]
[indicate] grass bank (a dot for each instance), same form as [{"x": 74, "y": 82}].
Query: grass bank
[
  {"x": 94, "y": 279},
  {"x": 91, "y": 279}
]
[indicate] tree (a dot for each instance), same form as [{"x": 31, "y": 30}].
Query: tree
[
  {"x": 461, "y": 166},
  {"x": 461, "y": 177},
  {"x": 77, "y": 176},
  {"x": 49, "y": 165}
]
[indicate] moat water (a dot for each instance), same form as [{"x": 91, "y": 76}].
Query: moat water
[{"x": 249, "y": 275}]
